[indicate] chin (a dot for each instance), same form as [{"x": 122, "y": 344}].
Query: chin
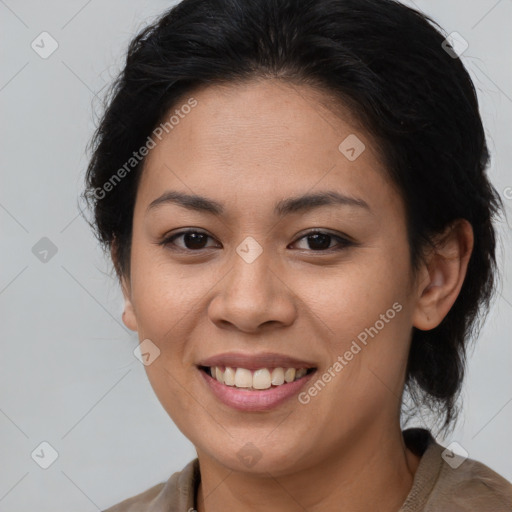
[{"x": 258, "y": 458}]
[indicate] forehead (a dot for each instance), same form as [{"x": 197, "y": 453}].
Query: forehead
[
  {"x": 271, "y": 114},
  {"x": 264, "y": 139}
]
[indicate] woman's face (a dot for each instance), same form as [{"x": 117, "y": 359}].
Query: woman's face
[{"x": 252, "y": 289}]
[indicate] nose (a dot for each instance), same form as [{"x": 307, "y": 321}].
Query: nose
[{"x": 253, "y": 296}]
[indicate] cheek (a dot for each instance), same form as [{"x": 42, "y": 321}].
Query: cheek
[
  {"x": 163, "y": 292},
  {"x": 354, "y": 296},
  {"x": 365, "y": 307},
  {"x": 161, "y": 303}
]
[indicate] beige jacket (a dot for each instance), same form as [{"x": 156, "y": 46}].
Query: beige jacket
[{"x": 438, "y": 486}]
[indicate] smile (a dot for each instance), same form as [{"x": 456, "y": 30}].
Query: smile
[
  {"x": 246, "y": 396},
  {"x": 263, "y": 378}
]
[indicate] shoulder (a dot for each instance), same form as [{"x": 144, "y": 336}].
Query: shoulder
[
  {"x": 472, "y": 486},
  {"x": 139, "y": 502},
  {"x": 178, "y": 492},
  {"x": 447, "y": 482}
]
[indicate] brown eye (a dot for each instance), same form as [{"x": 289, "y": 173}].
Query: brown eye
[
  {"x": 321, "y": 241},
  {"x": 192, "y": 240}
]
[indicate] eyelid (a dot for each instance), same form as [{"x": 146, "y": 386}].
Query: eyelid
[
  {"x": 167, "y": 239},
  {"x": 325, "y": 231},
  {"x": 344, "y": 241}
]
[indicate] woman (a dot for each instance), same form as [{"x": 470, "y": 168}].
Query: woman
[{"x": 295, "y": 200}]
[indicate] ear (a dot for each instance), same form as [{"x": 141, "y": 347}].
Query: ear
[
  {"x": 129, "y": 316},
  {"x": 442, "y": 275}
]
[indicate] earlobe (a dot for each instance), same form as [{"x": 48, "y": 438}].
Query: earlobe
[
  {"x": 443, "y": 275},
  {"x": 129, "y": 316}
]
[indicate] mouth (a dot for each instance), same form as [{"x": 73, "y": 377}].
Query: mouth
[{"x": 254, "y": 382}]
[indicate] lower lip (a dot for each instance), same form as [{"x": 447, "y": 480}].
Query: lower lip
[{"x": 249, "y": 400}]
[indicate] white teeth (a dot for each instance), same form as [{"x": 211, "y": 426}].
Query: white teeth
[
  {"x": 289, "y": 374},
  {"x": 277, "y": 376},
  {"x": 218, "y": 374},
  {"x": 243, "y": 378},
  {"x": 229, "y": 376},
  {"x": 263, "y": 378}
]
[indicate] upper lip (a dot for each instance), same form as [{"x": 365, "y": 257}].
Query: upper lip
[{"x": 255, "y": 361}]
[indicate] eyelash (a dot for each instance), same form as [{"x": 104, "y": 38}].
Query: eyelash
[{"x": 343, "y": 242}]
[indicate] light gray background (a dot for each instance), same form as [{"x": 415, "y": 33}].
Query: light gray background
[{"x": 68, "y": 375}]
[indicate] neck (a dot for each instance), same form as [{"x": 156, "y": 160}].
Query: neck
[{"x": 375, "y": 469}]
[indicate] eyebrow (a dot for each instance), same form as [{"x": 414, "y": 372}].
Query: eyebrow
[{"x": 284, "y": 207}]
